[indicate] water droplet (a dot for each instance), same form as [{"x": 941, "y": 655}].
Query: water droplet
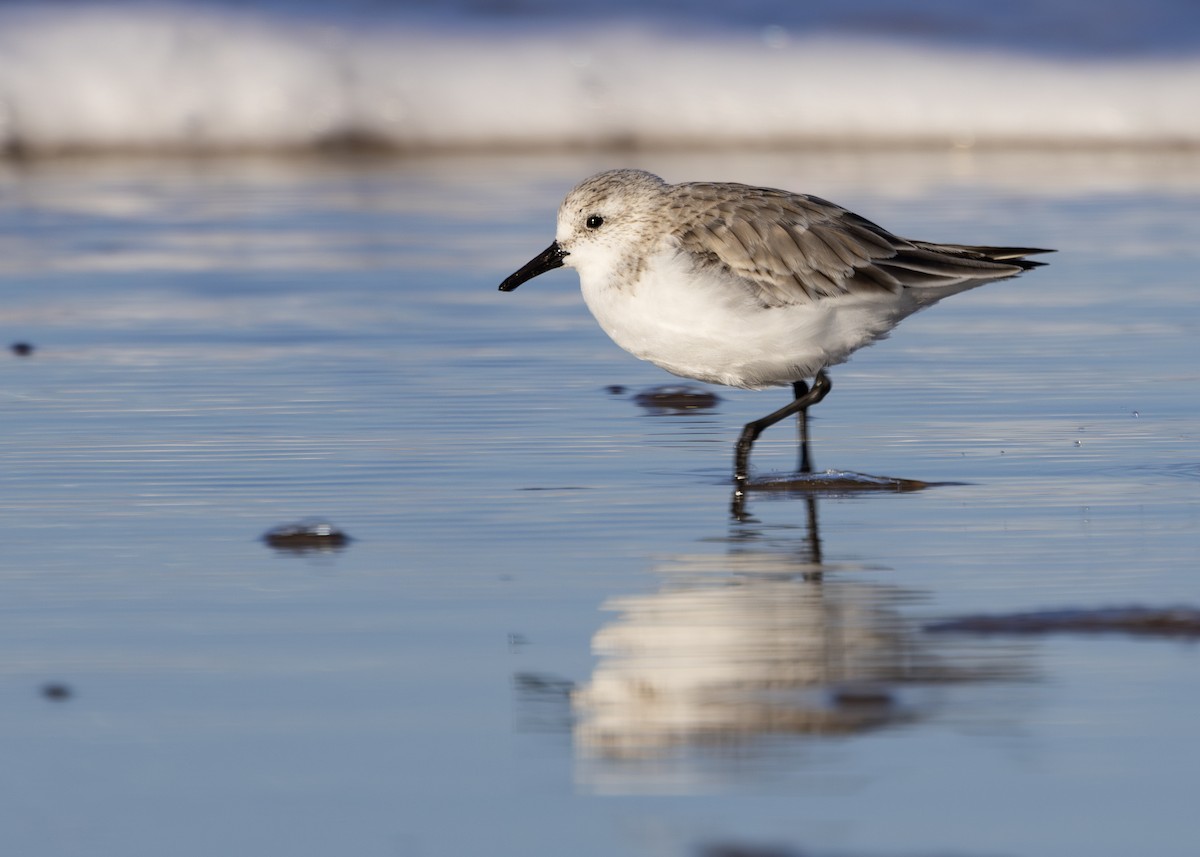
[{"x": 1136, "y": 415}]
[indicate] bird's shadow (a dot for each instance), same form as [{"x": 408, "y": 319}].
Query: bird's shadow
[{"x": 827, "y": 483}]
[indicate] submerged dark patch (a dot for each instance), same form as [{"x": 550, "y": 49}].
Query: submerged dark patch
[{"x": 1138, "y": 621}]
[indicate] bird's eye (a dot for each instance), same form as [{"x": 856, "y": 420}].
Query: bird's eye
[{"x": 594, "y": 221}]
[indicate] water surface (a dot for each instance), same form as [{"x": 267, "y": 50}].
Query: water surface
[{"x": 548, "y": 635}]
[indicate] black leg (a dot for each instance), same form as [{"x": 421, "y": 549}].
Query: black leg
[
  {"x": 805, "y": 397},
  {"x": 799, "y": 389}
]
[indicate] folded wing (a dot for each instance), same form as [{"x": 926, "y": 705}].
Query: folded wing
[{"x": 792, "y": 248}]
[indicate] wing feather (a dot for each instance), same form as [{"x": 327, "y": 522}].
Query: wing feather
[{"x": 793, "y": 248}]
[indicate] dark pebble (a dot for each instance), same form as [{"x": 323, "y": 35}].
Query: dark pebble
[
  {"x": 306, "y": 536},
  {"x": 21, "y": 349},
  {"x": 615, "y": 389},
  {"x": 676, "y": 398},
  {"x": 56, "y": 691}
]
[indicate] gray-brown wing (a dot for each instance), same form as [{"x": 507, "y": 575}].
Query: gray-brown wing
[{"x": 792, "y": 248}]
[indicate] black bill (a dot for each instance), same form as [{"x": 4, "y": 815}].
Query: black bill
[{"x": 548, "y": 260}]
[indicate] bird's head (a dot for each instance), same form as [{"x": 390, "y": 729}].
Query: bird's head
[{"x": 603, "y": 223}]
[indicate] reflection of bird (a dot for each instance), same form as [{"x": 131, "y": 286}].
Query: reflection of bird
[
  {"x": 743, "y": 645},
  {"x": 762, "y": 641},
  {"x": 747, "y": 286}
]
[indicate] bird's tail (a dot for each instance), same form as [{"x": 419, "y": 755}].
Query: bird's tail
[
  {"x": 934, "y": 271},
  {"x": 1010, "y": 255}
]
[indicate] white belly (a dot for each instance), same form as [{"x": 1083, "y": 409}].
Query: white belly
[{"x": 714, "y": 330}]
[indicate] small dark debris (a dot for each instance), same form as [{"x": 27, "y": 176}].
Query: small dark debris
[
  {"x": 862, "y": 696},
  {"x": 56, "y": 691},
  {"x": 615, "y": 389},
  {"x": 543, "y": 702},
  {"x": 676, "y": 398},
  {"x": 535, "y": 684},
  {"x": 307, "y": 535},
  {"x": 21, "y": 349},
  {"x": 729, "y": 849},
  {"x": 1137, "y": 621}
]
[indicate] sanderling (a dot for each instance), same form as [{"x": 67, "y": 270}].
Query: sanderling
[{"x": 747, "y": 286}]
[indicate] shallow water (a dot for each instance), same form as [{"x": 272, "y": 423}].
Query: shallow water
[{"x": 548, "y": 635}]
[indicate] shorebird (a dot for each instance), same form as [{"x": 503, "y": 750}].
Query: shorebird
[{"x": 748, "y": 286}]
